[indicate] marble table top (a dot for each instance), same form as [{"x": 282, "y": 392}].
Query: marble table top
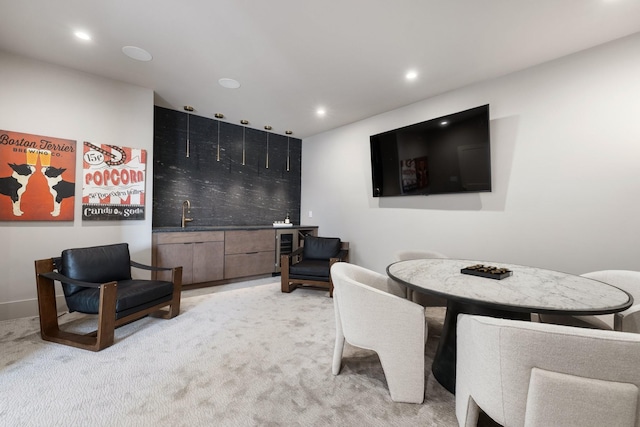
[{"x": 529, "y": 289}]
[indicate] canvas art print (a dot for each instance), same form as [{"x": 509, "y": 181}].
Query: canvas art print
[
  {"x": 113, "y": 185},
  {"x": 37, "y": 177}
]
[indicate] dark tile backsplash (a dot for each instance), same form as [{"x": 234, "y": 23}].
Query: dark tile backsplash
[{"x": 224, "y": 192}]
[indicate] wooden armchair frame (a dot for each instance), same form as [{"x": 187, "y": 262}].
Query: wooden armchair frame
[
  {"x": 288, "y": 284},
  {"x": 103, "y": 336}
]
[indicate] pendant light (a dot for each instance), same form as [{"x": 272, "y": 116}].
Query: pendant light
[
  {"x": 288, "y": 158},
  {"x": 268, "y": 128},
  {"x": 188, "y": 109},
  {"x": 218, "y": 116},
  {"x": 244, "y": 123}
]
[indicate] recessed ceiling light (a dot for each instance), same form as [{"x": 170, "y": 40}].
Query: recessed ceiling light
[
  {"x": 137, "y": 53},
  {"x": 411, "y": 75},
  {"x": 229, "y": 83},
  {"x": 321, "y": 111},
  {"x": 82, "y": 35}
]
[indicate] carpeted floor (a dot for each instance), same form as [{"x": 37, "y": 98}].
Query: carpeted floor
[{"x": 250, "y": 356}]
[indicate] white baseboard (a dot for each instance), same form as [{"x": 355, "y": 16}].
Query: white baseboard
[{"x": 26, "y": 308}]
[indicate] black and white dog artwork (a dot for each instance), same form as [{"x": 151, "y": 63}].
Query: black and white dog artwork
[
  {"x": 59, "y": 188},
  {"x": 15, "y": 185}
]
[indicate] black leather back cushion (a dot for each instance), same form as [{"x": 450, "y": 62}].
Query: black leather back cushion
[
  {"x": 320, "y": 247},
  {"x": 96, "y": 264}
]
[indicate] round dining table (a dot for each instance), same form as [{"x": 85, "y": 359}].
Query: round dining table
[{"x": 521, "y": 291}]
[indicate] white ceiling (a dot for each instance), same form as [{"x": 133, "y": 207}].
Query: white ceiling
[{"x": 293, "y": 56}]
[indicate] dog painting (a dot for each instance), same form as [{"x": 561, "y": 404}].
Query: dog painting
[
  {"x": 15, "y": 185},
  {"x": 59, "y": 188},
  {"x": 33, "y": 170}
]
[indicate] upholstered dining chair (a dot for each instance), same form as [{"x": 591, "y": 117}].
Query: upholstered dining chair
[
  {"x": 372, "y": 313},
  {"x": 625, "y": 321},
  {"x": 417, "y": 297},
  {"x": 538, "y": 375}
]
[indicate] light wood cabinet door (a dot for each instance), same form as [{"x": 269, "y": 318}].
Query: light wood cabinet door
[
  {"x": 253, "y": 264},
  {"x": 247, "y": 241},
  {"x": 200, "y": 253},
  {"x": 208, "y": 261},
  {"x": 249, "y": 253},
  {"x": 173, "y": 255}
]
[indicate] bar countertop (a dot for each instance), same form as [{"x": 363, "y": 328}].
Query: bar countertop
[{"x": 225, "y": 228}]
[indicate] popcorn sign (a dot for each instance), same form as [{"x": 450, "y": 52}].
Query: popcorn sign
[{"x": 113, "y": 182}]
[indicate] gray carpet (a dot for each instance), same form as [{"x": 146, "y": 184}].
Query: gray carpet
[{"x": 244, "y": 357}]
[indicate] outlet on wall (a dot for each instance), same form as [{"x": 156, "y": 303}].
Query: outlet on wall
[{"x": 310, "y": 214}]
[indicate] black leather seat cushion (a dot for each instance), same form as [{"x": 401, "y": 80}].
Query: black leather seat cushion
[
  {"x": 310, "y": 269},
  {"x": 132, "y": 296},
  {"x": 320, "y": 247}
]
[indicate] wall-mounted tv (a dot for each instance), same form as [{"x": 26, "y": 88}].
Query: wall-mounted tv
[{"x": 448, "y": 154}]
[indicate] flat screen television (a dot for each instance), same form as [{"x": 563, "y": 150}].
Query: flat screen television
[{"x": 448, "y": 154}]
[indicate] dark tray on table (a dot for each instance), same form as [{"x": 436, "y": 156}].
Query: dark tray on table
[{"x": 490, "y": 272}]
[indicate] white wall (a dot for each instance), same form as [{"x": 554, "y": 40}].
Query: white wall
[
  {"x": 566, "y": 173},
  {"x": 44, "y": 99}
]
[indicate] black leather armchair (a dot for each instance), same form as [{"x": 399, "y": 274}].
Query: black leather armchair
[
  {"x": 97, "y": 280},
  {"x": 311, "y": 263}
]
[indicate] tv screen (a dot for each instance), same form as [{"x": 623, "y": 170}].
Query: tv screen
[{"x": 448, "y": 154}]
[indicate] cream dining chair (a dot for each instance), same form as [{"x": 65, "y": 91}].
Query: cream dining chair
[
  {"x": 417, "y": 297},
  {"x": 540, "y": 375},
  {"x": 625, "y": 321},
  {"x": 372, "y": 313}
]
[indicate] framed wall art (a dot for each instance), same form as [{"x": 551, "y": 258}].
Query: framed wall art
[
  {"x": 113, "y": 186},
  {"x": 37, "y": 177}
]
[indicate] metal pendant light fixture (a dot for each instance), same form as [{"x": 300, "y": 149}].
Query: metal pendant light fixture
[
  {"x": 218, "y": 116},
  {"x": 267, "y": 128},
  {"x": 188, "y": 109},
  {"x": 288, "y": 151},
  {"x": 244, "y": 123}
]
